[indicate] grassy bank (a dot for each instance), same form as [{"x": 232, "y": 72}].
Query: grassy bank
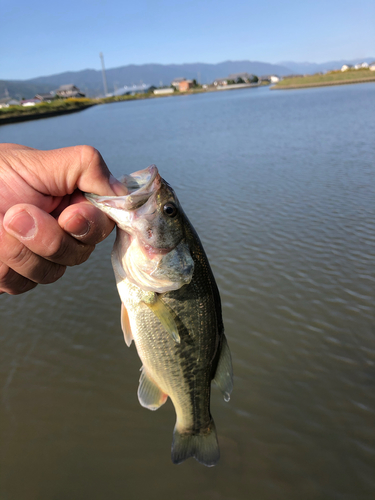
[
  {"x": 44, "y": 109},
  {"x": 331, "y": 78}
]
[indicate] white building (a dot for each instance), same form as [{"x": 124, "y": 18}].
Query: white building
[{"x": 163, "y": 91}]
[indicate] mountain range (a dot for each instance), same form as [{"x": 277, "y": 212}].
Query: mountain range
[
  {"x": 90, "y": 81},
  {"x": 304, "y": 68}
]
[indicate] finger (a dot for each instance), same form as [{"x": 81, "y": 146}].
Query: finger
[
  {"x": 86, "y": 223},
  {"x": 41, "y": 234},
  {"x": 12, "y": 282},
  {"x": 60, "y": 171},
  {"x": 15, "y": 255}
]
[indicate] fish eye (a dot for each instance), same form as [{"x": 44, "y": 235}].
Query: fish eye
[{"x": 170, "y": 209}]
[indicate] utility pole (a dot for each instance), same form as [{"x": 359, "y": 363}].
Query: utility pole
[{"x": 103, "y": 73}]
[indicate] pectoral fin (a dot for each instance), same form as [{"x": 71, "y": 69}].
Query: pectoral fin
[
  {"x": 164, "y": 314},
  {"x": 125, "y": 325},
  {"x": 149, "y": 394},
  {"x": 224, "y": 371}
]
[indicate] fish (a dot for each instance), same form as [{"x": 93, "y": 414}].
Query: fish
[{"x": 170, "y": 308}]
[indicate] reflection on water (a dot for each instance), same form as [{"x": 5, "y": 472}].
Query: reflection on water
[{"x": 281, "y": 188}]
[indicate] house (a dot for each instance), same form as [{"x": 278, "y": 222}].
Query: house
[
  {"x": 176, "y": 82},
  {"x": 220, "y": 82},
  {"x": 30, "y": 102},
  {"x": 185, "y": 85},
  {"x": 8, "y": 101},
  {"x": 69, "y": 90},
  {"x": 346, "y": 67},
  {"x": 363, "y": 65},
  {"x": 274, "y": 78},
  {"x": 143, "y": 88},
  {"x": 242, "y": 78},
  {"x": 165, "y": 91},
  {"x": 371, "y": 66},
  {"x": 44, "y": 97}
]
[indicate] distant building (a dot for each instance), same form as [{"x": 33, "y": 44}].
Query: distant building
[
  {"x": 132, "y": 89},
  {"x": 220, "y": 82},
  {"x": 166, "y": 91},
  {"x": 236, "y": 78},
  {"x": 185, "y": 85},
  {"x": 346, "y": 67},
  {"x": 69, "y": 90},
  {"x": 44, "y": 97},
  {"x": 363, "y": 65},
  {"x": 242, "y": 78},
  {"x": 274, "y": 78},
  {"x": 30, "y": 102},
  {"x": 176, "y": 82},
  {"x": 8, "y": 101},
  {"x": 371, "y": 66}
]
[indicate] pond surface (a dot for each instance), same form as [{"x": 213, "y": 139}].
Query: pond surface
[{"x": 281, "y": 189}]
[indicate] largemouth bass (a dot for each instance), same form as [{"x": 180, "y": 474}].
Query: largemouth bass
[{"x": 170, "y": 308}]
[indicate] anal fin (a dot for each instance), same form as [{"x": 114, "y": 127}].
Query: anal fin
[
  {"x": 224, "y": 371},
  {"x": 125, "y": 325},
  {"x": 149, "y": 394}
]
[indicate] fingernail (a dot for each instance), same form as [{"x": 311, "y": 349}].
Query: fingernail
[
  {"x": 118, "y": 187},
  {"x": 77, "y": 226},
  {"x": 22, "y": 224}
]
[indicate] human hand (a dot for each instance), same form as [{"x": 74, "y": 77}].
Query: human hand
[{"x": 46, "y": 224}]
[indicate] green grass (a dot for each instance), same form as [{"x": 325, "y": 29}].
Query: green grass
[
  {"x": 331, "y": 77},
  {"x": 46, "y": 107}
]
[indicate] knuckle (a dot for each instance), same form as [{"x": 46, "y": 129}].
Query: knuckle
[
  {"x": 5, "y": 274},
  {"x": 90, "y": 155},
  {"x": 88, "y": 249},
  {"x": 12, "y": 283},
  {"x": 20, "y": 257},
  {"x": 64, "y": 253},
  {"x": 59, "y": 251},
  {"x": 51, "y": 273}
]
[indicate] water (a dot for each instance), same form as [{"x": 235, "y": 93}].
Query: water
[{"x": 281, "y": 188}]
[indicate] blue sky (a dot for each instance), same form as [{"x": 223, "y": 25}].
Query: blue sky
[{"x": 44, "y": 38}]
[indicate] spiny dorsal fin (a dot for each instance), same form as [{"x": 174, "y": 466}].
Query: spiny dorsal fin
[{"x": 149, "y": 394}]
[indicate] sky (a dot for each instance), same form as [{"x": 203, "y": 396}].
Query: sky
[{"x": 44, "y": 38}]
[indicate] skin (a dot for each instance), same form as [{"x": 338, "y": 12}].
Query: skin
[{"x": 46, "y": 224}]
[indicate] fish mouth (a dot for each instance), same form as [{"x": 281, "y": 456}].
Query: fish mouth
[{"x": 140, "y": 186}]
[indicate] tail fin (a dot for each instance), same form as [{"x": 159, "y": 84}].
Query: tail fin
[{"x": 203, "y": 447}]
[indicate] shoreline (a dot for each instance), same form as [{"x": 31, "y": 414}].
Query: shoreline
[
  {"x": 16, "y": 118},
  {"x": 57, "y": 112},
  {"x": 323, "y": 84},
  {"x": 47, "y": 114}
]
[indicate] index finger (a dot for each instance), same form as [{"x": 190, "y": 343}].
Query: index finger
[{"x": 59, "y": 172}]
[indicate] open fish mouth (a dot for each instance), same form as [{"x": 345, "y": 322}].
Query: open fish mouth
[{"x": 140, "y": 185}]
